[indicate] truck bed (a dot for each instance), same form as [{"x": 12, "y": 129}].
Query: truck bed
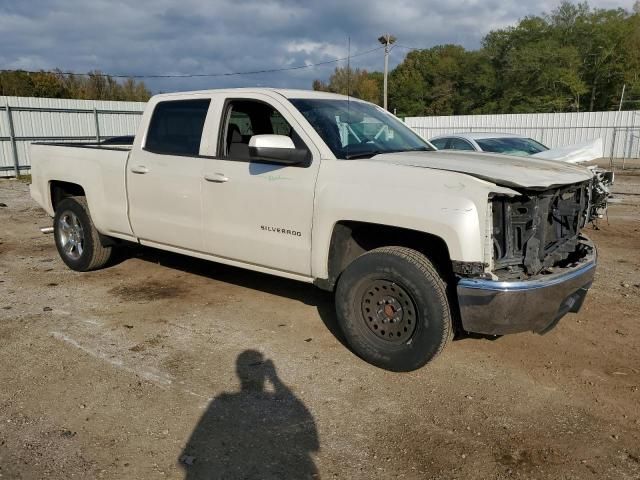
[{"x": 100, "y": 169}]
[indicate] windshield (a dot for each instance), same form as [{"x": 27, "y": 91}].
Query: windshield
[
  {"x": 521, "y": 147},
  {"x": 354, "y": 129}
]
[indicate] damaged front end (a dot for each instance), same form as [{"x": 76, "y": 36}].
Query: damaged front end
[
  {"x": 537, "y": 231},
  {"x": 542, "y": 265}
]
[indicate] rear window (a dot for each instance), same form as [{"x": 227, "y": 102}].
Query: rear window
[
  {"x": 460, "y": 144},
  {"x": 511, "y": 146},
  {"x": 439, "y": 143},
  {"x": 176, "y": 127}
]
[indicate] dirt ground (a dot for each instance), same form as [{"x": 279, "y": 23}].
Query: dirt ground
[{"x": 163, "y": 366}]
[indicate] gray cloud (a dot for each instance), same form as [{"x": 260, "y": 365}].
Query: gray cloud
[{"x": 200, "y": 36}]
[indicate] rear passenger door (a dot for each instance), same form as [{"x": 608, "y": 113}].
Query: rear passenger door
[{"x": 164, "y": 174}]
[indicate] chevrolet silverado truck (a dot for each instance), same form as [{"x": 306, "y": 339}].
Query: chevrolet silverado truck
[{"x": 415, "y": 243}]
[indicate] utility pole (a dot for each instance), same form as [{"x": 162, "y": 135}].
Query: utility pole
[
  {"x": 386, "y": 40},
  {"x": 622, "y": 97}
]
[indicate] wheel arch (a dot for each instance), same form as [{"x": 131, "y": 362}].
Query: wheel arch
[
  {"x": 59, "y": 190},
  {"x": 350, "y": 239}
]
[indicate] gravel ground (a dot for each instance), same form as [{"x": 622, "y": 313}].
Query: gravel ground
[{"x": 162, "y": 366}]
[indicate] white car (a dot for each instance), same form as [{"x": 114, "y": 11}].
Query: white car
[
  {"x": 505, "y": 143},
  {"x": 521, "y": 146}
]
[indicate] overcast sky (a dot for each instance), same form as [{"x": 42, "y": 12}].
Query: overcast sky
[{"x": 210, "y": 36}]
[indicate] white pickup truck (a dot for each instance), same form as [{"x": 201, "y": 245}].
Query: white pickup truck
[{"x": 416, "y": 243}]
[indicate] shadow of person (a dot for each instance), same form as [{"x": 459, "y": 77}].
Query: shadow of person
[{"x": 254, "y": 433}]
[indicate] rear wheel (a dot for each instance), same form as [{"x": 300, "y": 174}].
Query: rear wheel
[
  {"x": 392, "y": 307},
  {"x": 77, "y": 240}
]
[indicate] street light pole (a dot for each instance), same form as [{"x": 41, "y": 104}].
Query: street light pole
[{"x": 386, "y": 40}]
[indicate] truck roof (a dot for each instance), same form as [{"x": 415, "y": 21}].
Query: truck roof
[{"x": 285, "y": 92}]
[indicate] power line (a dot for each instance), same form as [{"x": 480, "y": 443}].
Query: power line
[
  {"x": 411, "y": 48},
  {"x": 200, "y": 75}
]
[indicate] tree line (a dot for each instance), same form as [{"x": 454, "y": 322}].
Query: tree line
[
  {"x": 93, "y": 86},
  {"x": 574, "y": 59}
]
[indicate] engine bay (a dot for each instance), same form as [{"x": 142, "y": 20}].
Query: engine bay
[{"x": 539, "y": 230}]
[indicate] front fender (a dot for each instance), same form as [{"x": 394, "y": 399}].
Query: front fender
[{"x": 449, "y": 205}]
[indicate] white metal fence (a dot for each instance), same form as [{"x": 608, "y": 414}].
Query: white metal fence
[
  {"x": 24, "y": 120},
  {"x": 620, "y": 131}
]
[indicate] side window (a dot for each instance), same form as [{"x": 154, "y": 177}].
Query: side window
[
  {"x": 176, "y": 127},
  {"x": 242, "y": 121},
  {"x": 245, "y": 118},
  {"x": 279, "y": 125},
  {"x": 439, "y": 143},
  {"x": 460, "y": 144}
]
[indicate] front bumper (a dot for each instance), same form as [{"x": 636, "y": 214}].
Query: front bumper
[{"x": 498, "y": 308}]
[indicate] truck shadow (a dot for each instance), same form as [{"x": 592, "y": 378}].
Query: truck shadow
[
  {"x": 302, "y": 292},
  {"x": 254, "y": 433},
  {"x": 306, "y": 293}
]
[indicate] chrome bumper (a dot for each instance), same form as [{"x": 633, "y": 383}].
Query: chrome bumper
[{"x": 498, "y": 308}]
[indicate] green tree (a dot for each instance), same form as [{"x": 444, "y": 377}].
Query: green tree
[
  {"x": 16, "y": 83},
  {"x": 542, "y": 77},
  {"x": 599, "y": 36},
  {"x": 357, "y": 83},
  {"x": 632, "y": 47},
  {"x": 443, "y": 80},
  {"x": 93, "y": 86}
]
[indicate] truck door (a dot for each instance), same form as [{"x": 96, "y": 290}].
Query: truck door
[
  {"x": 164, "y": 174},
  {"x": 258, "y": 212}
]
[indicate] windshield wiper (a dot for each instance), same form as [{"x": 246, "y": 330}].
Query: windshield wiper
[
  {"x": 373, "y": 153},
  {"x": 368, "y": 154}
]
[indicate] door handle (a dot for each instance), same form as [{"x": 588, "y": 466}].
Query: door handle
[
  {"x": 139, "y": 169},
  {"x": 216, "y": 177}
]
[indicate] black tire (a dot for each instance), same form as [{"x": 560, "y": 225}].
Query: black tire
[
  {"x": 84, "y": 251},
  {"x": 411, "y": 322}
]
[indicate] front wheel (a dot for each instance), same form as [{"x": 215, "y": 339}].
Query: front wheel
[
  {"x": 77, "y": 240},
  {"x": 392, "y": 307}
]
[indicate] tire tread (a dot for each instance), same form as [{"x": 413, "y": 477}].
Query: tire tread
[
  {"x": 100, "y": 255},
  {"x": 420, "y": 261},
  {"x": 422, "y": 275}
]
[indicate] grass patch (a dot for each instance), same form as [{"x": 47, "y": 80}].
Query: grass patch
[{"x": 24, "y": 178}]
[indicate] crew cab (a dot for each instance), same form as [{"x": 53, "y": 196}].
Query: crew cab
[{"x": 416, "y": 243}]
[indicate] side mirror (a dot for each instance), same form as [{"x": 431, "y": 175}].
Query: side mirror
[{"x": 276, "y": 149}]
